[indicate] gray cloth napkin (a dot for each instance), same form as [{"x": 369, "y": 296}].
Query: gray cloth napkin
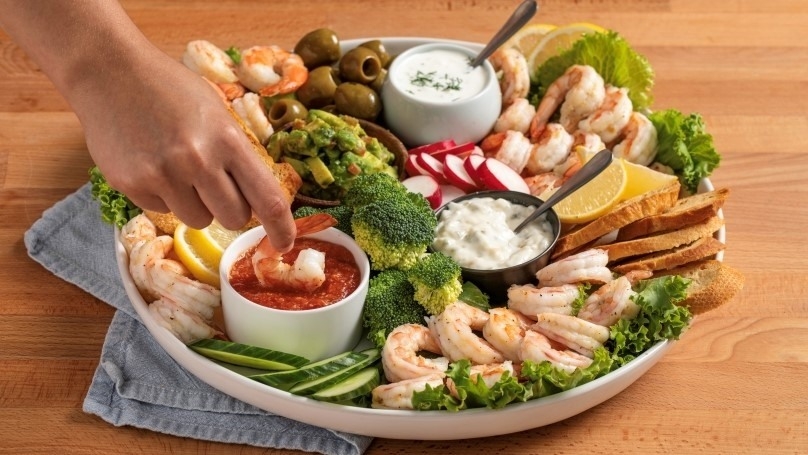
[{"x": 136, "y": 382}]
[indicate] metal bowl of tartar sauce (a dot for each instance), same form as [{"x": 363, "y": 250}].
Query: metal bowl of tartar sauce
[{"x": 476, "y": 230}]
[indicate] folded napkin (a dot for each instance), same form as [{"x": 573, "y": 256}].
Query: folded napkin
[{"x": 136, "y": 382}]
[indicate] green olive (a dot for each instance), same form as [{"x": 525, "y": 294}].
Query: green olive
[
  {"x": 284, "y": 111},
  {"x": 357, "y": 100},
  {"x": 360, "y": 64},
  {"x": 378, "y": 47},
  {"x": 319, "y": 88},
  {"x": 379, "y": 81},
  {"x": 318, "y": 47}
]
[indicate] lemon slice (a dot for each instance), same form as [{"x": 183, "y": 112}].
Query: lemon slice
[
  {"x": 200, "y": 250},
  {"x": 595, "y": 198},
  {"x": 526, "y": 39},
  {"x": 642, "y": 179},
  {"x": 558, "y": 40}
]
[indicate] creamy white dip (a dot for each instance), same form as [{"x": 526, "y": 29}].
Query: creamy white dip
[
  {"x": 440, "y": 76},
  {"x": 478, "y": 233}
]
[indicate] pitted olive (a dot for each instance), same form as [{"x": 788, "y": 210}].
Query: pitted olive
[
  {"x": 378, "y": 47},
  {"x": 284, "y": 111},
  {"x": 360, "y": 64},
  {"x": 319, "y": 88},
  {"x": 318, "y": 47},
  {"x": 357, "y": 100}
]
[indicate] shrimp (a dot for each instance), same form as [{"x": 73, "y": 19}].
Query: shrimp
[
  {"x": 540, "y": 183},
  {"x": 611, "y": 117},
  {"x": 212, "y": 63},
  {"x": 170, "y": 279},
  {"x": 575, "y": 333},
  {"x": 185, "y": 325},
  {"x": 308, "y": 271},
  {"x": 537, "y": 348},
  {"x": 515, "y": 79},
  {"x": 142, "y": 260},
  {"x": 454, "y": 329},
  {"x": 271, "y": 70},
  {"x": 586, "y": 266},
  {"x": 504, "y": 330},
  {"x": 398, "y": 395},
  {"x": 249, "y": 109},
  {"x": 530, "y": 301},
  {"x": 400, "y": 354},
  {"x": 140, "y": 228},
  {"x": 516, "y": 116},
  {"x": 490, "y": 375},
  {"x": 510, "y": 147},
  {"x": 551, "y": 148},
  {"x": 613, "y": 301},
  {"x": 639, "y": 143},
  {"x": 579, "y": 91}
]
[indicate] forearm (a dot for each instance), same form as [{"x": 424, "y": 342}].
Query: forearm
[{"x": 80, "y": 45}]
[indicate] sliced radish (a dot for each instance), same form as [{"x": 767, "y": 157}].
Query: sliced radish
[
  {"x": 432, "y": 166},
  {"x": 433, "y": 147},
  {"x": 449, "y": 193},
  {"x": 496, "y": 175},
  {"x": 457, "y": 150},
  {"x": 471, "y": 163},
  {"x": 427, "y": 186},
  {"x": 412, "y": 167},
  {"x": 457, "y": 175}
]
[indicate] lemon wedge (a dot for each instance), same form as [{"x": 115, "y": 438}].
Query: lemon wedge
[
  {"x": 528, "y": 37},
  {"x": 201, "y": 250},
  {"x": 641, "y": 179},
  {"x": 595, "y": 198},
  {"x": 558, "y": 40}
]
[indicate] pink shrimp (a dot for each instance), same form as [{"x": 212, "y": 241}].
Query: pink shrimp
[{"x": 271, "y": 70}]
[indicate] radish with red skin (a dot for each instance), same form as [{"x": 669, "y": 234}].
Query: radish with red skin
[
  {"x": 470, "y": 164},
  {"x": 450, "y": 193},
  {"x": 433, "y": 147},
  {"x": 413, "y": 168},
  {"x": 456, "y": 174},
  {"x": 432, "y": 166},
  {"x": 457, "y": 150},
  {"x": 427, "y": 186},
  {"x": 497, "y": 175}
]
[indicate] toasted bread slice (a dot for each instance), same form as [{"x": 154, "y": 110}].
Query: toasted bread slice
[
  {"x": 687, "y": 211},
  {"x": 288, "y": 179},
  {"x": 662, "y": 241},
  {"x": 668, "y": 259},
  {"x": 628, "y": 211},
  {"x": 713, "y": 284}
]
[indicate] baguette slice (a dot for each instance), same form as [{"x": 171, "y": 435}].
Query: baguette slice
[
  {"x": 628, "y": 211},
  {"x": 663, "y": 241},
  {"x": 668, "y": 259},
  {"x": 713, "y": 284},
  {"x": 687, "y": 211}
]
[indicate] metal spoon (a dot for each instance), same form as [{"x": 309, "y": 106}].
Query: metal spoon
[
  {"x": 590, "y": 170},
  {"x": 520, "y": 16}
]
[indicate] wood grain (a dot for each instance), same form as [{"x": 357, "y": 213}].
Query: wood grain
[{"x": 733, "y": 384}]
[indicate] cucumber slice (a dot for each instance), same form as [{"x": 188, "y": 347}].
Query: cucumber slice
[
  {"x": 323, "y": 382},
  {"x": 358, "y": 384},
  {"x": 319, "y": 171},
  {"x": 248, "y": 356},
  {"x": 286, "y": 379}
]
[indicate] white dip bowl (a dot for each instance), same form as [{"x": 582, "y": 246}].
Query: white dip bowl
[
  {"x": 431, "y": 94},
  {"x": 315, "y": 333}
]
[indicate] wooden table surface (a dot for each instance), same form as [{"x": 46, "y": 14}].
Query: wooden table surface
[{"x": 735, "y": 383}]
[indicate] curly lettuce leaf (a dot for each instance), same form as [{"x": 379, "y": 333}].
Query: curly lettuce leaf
[
  {"x": 544, "y": 379},
  {"x": 612, "y": 57},
  {"x": 660, "y": 318},
  {"x": 684, "y": 145},
  {"x": 115, "y": 207}
]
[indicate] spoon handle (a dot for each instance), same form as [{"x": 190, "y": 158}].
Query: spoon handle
[
  {"x": 588, "y": 171},
  {"x": 519, "y": 18}
]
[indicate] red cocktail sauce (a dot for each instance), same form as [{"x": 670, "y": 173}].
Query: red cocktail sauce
[{"x": 342, "y": 277}]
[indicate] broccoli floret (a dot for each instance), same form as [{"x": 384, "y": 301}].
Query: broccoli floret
[
  {"x": 368, "y": 188},
  {"x": 389, "y": 304},
  {"x": 437, "y": 283},
  {"x": 341, "y": 213},
  {"x": 394, "y": 232}
]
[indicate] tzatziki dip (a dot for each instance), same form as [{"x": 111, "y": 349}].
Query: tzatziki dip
[
  {"x": 440, "y": 76},
  {"x": 478, "y": 233}
]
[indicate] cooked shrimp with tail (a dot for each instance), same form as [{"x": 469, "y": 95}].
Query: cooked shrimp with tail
[
  {"x": 573, "y": 332},
  {"x": 401, "y": 358},
  {"x": 271, "y": 70},
  {"x": 307, "y": 272},
  {"x": 455, "y": 330},
  {"x": 639, "y": 141},
  {"x": 514, "y": 81},
  {"x": 614, "y": 300},
  {"x": 530, "y": 300},
  {"x": 579, "y": 92},
  {"x": 538, "y": 348},
  {"x": 504, "y": 330}
]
